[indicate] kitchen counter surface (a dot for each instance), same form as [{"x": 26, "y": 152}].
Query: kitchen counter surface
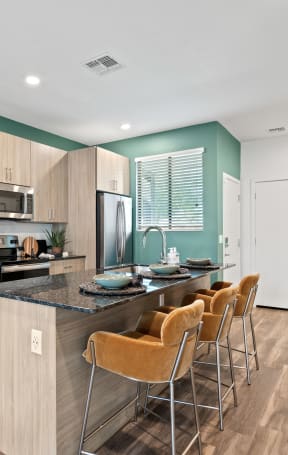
[
  {"x": 60, "y": 258},
  {"x": 62, "y": 291}
]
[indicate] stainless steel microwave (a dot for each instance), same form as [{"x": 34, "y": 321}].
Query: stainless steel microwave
[{"x": 16, "y": 202}]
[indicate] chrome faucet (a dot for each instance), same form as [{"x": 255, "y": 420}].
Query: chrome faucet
[{"x": 163, "y": 236}]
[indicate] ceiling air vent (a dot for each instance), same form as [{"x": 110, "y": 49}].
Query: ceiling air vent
[
  {"x": 278, "y": 129},
  {"x": 102, "y": 64}
]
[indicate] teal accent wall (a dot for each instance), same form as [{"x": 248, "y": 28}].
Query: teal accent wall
[
  {"x": 222, "y": 154},
  {"x": 34, "y": 134}
]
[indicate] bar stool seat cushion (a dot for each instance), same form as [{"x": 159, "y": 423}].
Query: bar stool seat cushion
[{"x": 148, "y": 353}]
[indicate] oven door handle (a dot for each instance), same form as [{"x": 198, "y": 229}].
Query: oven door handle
[{"x": 20, "y": 268}]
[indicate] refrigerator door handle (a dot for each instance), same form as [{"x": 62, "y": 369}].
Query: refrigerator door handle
[
  {"x": 118, "y": 232},
  {"x": 123, "y": 231}
]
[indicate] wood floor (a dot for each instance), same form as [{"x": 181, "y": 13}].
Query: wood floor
[{"x": 258, "y": 426}]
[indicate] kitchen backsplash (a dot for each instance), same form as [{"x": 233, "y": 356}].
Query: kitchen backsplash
[{"x": 23, "y": 229}]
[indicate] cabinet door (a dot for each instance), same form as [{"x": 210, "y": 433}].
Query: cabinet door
[
  {"x": 40, "y": 178},
  {"x": 15, "y": 160},
  {"x": 122, "y": 175},
  {"x": 81, "y": 229},
  {"x": 112, "y": 172},
  {"x": 49, "y": 179},
  {"x": 59, "y": 185},
  {"x": 19, "y": 160},
  {"x": 67, "y": 266},
  {"x": 3, "y": 158},
  {"x": 105, "y": 170}
]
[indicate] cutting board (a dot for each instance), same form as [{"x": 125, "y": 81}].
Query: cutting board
[{"x": 30, "y": 245}]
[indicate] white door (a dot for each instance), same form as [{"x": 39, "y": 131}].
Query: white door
[
  {"x": 271, "y": 242},
  {"x": 231, "y": 227}
]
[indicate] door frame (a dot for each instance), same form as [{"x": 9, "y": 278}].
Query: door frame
[{"x": 226, "y": 176}]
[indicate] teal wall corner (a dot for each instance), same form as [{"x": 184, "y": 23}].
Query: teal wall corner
[
  {"x": 213, "y": 138},
  {"x": 37, "y": 135}
]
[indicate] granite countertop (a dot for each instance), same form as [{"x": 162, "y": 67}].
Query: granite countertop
[
  {"x": 62, "y": 291},
  {"x": 60, "y": 258}
]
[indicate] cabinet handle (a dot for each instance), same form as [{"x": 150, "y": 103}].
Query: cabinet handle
[
  {"x": 67, "y": 267},
  {"x": 6, "y": 173},
  {"x": 10, "y": 172},
  {"x": 49, "y": 214},
  {"x": 114, "y": 185}
]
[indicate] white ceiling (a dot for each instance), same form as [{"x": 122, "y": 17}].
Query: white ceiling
[{"x": 184, "y": 63}]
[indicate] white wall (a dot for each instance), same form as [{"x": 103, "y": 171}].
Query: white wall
[{"x": 265, "y": 159}]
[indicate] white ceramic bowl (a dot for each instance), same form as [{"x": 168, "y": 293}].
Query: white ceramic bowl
[
  {"x": 164, "y": 269},
  {"x": 110, "y": 281}
]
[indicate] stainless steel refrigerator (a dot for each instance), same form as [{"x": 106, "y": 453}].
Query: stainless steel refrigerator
[{"x": 113, "y": 230}]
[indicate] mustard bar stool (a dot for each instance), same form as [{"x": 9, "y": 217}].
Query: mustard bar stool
[
  {"x": 246, "y": 294},
  {"x": 217, "y": 318},
  {"x": 160, "y": 350}
]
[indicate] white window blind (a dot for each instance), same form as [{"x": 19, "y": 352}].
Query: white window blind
[{"x": 170, "y": 190}]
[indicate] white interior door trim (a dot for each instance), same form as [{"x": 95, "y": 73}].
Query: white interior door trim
[{"x": 232, "y": 230}]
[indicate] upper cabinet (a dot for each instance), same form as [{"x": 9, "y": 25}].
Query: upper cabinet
[
  {"x": 49, "y": 178},
  {"x": 15, "y": 160},
  {"x": 113, "y": 173}
]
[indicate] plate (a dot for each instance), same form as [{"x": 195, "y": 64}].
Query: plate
[
  {"x": 109, "y": 281},
  {"x": 164, "y": 269}
]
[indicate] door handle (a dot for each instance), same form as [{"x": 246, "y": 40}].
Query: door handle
[{"x": 118, "y": 232}]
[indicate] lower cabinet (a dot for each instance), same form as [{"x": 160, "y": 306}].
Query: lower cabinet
[{"x": 67, "y": 266}]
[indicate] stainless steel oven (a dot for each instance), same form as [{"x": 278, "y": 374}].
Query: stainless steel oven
[
  {"x": 13, "y": 268},
  {"x": 16, "y": 201}
]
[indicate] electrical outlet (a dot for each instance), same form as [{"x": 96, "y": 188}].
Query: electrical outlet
[{"x": 36, "y": 341}]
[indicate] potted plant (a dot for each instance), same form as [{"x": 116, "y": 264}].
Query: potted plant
[{"x": 57, "y": 240}]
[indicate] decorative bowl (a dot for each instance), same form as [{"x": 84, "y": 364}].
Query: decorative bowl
[
  {"x": 164, "y": 269},
  {"x": 109, "y": 281},
  {"x": 199, "y": 261}
]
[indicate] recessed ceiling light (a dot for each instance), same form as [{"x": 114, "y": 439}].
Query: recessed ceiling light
[
  {"x": 125, "y": 126},
  {"x": 32, "y": 80}
]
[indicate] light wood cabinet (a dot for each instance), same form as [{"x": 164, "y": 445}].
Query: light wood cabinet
[
  {"x": 15, "y": 160},
  {"x": 67, "y": 266},
  {"x": 81, "y": 228},
  {"x": 113, "y": 173},
  {"x": 49, "y": 178}
]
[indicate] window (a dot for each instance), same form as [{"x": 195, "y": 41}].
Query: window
[{"x": 170, "y": 190}]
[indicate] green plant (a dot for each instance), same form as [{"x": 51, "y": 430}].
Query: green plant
[{"x": 56, "y": 238}]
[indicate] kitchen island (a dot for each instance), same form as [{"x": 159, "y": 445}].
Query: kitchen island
[{"x": 42, "y": 396}]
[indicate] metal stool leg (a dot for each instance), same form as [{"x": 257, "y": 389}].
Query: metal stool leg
[
  {"x": 196, "y": 416},
  {"x": 246, "y": 350},
  {"x": 137, "y": 401},
  {"x": 219, "y": 386},
  {"x": 232, "y": 371},
  {"x": 172, "y": 417},
  {"x": 84, "y": 425},
  {"x": 254, "y": 342}
]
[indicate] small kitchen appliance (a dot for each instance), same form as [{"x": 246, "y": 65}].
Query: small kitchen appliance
[{"x": 16, "y": 202}]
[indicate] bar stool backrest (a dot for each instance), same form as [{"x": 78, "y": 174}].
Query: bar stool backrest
[
  {"x": 246, "y": 294},
  {"x": 223, "y": 303}
]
